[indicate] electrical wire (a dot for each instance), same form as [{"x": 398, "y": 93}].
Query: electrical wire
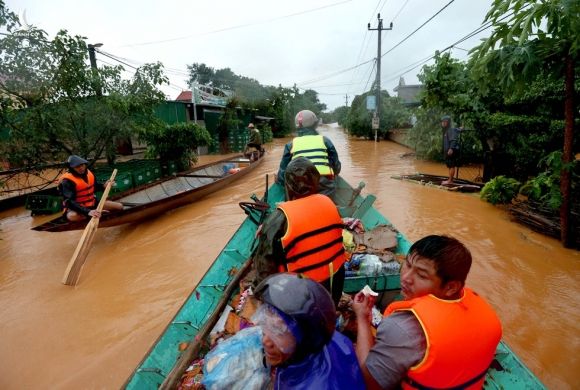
[
  {"x": 478, "y": 30},
  {"x": 399, "y": 11},
  {"x": 398, "y": 44},
  {"x": 240, "y": 25},
  {"x": 417, "y": 29},
  {"x": 370, "y": 75},
  {"x": 320, "y": 78},
  {"x": 180, "y": 88}
]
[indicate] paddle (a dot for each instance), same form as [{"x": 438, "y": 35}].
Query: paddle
[{"x": 75, "y": 265}]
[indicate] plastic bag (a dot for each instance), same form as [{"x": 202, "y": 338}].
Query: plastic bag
[
  {"x": 370, "y": 265},
  {"x": 237, "y": 363}
]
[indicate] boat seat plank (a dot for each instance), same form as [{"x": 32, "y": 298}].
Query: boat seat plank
[
  {"x": 157, "y": 192},
  {"x": 173, "y": 187},
  {"x": 138, "y": 197},
  {"x": 198, "y": 182},
  {"x": 195, "y": 182}
]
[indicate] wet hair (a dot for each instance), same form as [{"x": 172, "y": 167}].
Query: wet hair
[{"x": 452, "y": 259}]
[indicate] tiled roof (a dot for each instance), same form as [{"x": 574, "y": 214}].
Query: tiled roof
[{"x": 184, "y": 96}]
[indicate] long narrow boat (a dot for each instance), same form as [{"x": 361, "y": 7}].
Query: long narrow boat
[
  {"x": 164, "y": 364},
  {"x": 167, "y": 194}
]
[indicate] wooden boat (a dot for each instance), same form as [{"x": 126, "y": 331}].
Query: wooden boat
[
  {"x": 438, "y": 181},
  {"x": 164, "y": 364},
  {"x": 166, "y": 194}
]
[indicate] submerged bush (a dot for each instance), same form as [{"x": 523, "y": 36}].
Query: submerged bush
[{"x": 500, "y": 190}]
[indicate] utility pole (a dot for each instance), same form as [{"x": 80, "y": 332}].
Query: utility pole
[
  {"x": 379, "y": 29},
  {"x": 346, "y": 100},
  {"x": 93, "y": 59}
]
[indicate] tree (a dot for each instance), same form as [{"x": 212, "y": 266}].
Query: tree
[
  {"x": 530, "y": 36},
  {"x": 176, "y": 142},
  {"x": 49, "y": 100},
  {"x": 358, "y": 120}
]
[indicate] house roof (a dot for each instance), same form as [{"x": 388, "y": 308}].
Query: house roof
[{"x": 184, "y": 96}]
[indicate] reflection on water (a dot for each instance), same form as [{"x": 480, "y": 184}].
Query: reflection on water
[{"x": 137, "y": 276}]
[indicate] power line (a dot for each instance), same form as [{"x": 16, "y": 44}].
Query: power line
[
  {"x": 370, "y": 75},
  {"x": 375, "y": 10},
  {"x": 478, "y": 30},
  {"x": 399, "y": 11},
  {"x": 417, "y": 29},
  {"x": 356, "y": 66},
  {"x": 383, "y": 6},
  {"x": 240, "y": 25},
  {"x": 180, "y": 88},
  {"x": 334, "y": 74}
]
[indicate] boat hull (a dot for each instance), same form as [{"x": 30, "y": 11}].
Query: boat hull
[
  {"x": 164, "y": 363},
  {"x": 159, "y": 197}
]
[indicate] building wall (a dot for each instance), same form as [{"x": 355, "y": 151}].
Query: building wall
[{"x": 400, "y": 136}]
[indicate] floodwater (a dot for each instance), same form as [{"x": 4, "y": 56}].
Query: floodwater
[{"x": 137, "y": 276}]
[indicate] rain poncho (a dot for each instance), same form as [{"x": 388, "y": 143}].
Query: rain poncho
[{"x": 333, "y": 367}]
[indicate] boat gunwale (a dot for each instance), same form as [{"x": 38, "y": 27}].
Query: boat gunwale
[{"x": 164, "y": 204}]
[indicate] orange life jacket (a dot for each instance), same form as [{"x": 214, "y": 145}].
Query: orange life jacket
[
  {"x": 313, "y": 239},
  {"x": 85, "y": 192},
  {"x": 462, "y": 336}
]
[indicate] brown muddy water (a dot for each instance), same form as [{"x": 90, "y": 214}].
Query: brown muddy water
[{"x": 137, "y": 276}]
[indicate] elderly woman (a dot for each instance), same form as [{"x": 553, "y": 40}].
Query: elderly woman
[{"x": 300, "y": 343}]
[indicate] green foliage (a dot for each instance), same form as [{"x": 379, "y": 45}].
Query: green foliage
[
  {"x": 278, "y": 102},
  {"x": 426, "y": 136},
  {"x": 545, "y": 187},
  {"x": 500, "y": 190},
  {"x": 524, "y": 138},
  {"x": 536, "y": 36},
  {"x": 339, "y": 115},
  {"x": 359, "y": 120},
  {"x": 175, "y": 142},
  {"x": 266, "y": 133},
  {"x": 53, "y": 104},
  {"x": 446, "y": 84}
]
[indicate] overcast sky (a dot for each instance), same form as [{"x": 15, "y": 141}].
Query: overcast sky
[{"x": 307, "y": 42}]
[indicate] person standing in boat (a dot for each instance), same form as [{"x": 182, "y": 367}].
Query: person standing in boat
[
  {"x": 297, "y": 318},
  {"x": 450, "y": 147},
  {"x": 441, "y": 335},
  {"x": 78, "y": 187},
  {"x": 255, "y": 142},
  {"x": 304, "y": 234},
  {"x": 317, "y": 148}
]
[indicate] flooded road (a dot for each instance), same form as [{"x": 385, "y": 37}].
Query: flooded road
[{"x": 136, "y": 277}]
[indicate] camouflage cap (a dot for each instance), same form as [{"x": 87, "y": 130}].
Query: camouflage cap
[{"x": 301, "y": 178}]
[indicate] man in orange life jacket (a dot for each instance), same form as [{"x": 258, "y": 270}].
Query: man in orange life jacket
[
  {"x": 78, "y": 187},
  {"x": 304, "y": 234},
  {"x": 317, "y": 148},
  {"x": 442, "y": 335}
]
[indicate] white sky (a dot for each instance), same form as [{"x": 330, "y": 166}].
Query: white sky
[{"x": 274, "y": 42}]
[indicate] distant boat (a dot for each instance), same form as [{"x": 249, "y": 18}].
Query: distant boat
[
  {"x": 186, "y": 335},
  {"x": 152, "y": 199}
]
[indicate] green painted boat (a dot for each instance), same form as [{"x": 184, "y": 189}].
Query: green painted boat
[{"x": 164, "y": 363}]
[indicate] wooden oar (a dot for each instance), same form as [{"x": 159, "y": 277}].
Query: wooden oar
[{"x": 77, "y": 261}]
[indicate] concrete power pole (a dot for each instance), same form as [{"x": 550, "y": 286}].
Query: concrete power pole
[
  {"x": 379, "y": 29},
  {"x": 93, "y": 59},
  {"x": 346, "y": 100}
]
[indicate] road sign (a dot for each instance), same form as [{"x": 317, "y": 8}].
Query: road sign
[
  {"x": 371, "y": 103},
  {"x": 375, "y": 123}
]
